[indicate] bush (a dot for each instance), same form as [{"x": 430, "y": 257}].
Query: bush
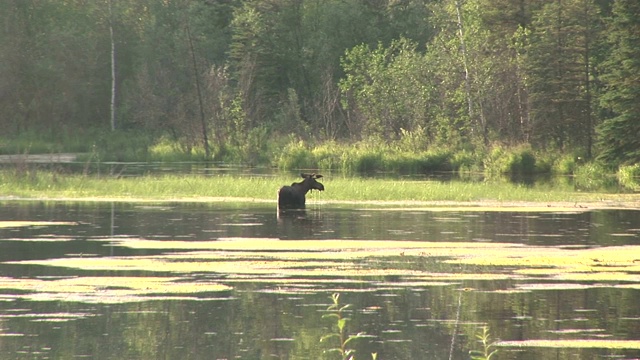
[
  {"x": 466, "y": 161},
  {"x": 296, "y": 155},
  {"x": 328, "y": 156},
  {"x": 516, "y": 161},
  {"x": 565, "y": 165},
  {"x": 593, "y": 176},
  {"x": 629, "y": 177}
]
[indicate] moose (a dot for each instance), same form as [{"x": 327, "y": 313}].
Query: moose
[{"x": 293, "y": 197}]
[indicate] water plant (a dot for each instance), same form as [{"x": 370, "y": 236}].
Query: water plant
[
  {"x": 337, "y": 313},
  {"x": 486, "y": 353}
]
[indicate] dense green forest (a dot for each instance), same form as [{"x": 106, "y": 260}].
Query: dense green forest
[{"x": 240, "y": 80}]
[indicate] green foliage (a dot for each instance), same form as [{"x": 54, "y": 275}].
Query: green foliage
[
  {"x": 29, "y": 181},
  {"x": 418, "y": 75},
  {"x": 336, "y": 312},
  {"x": 122, "y": 146},
  {"x": 363, "y": 157},
  {"x": 618, "y": 136},
  {"x": 593, "y": 176},
  {"x": 516, "y": 161},
  {"x": 390, "y": 86},
  {"x": 296, "y": 155},
  {"x": 32, "y": 142},
  {"x": 629, "y": 177},
  {"x": 559, "y": 62},
  {"x": 166, "y": 150},
  {"x": 486, "y": 353},
  {"x": 565, "y": 165},
  {"x": 619, "y": 140}
]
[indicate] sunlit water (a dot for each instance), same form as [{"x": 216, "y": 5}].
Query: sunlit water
[{"x": 275, "y": 315}]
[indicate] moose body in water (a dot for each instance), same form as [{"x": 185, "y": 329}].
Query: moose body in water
[{"x": 293, "y": 197}]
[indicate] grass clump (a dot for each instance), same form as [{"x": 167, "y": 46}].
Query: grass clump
[
  {"x": 364, "y": 157},
  {"x": 515, "y": 161},
  {"x": 594, "y": 176},
  {"x": 629, "y": 176},
  {"x": 296, "y": 155}
]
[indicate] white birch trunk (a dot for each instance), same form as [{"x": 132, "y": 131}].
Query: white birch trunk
[{"x": 113, "y": 71}]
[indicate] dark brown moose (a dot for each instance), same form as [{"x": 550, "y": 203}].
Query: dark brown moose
[{"x": 293, "y": 197}]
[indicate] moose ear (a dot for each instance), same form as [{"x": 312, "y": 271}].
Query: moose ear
[
  {"x": 317, "y": 176},
  {"x": 304, "y": 176}
]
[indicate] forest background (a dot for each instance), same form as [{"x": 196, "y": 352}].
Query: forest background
[{"x": 436, "y": 84}]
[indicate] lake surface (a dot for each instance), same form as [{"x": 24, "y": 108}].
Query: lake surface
[{"x": 239, "y": 281}]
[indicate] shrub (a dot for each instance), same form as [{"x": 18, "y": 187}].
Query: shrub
[
  {"x": 629, "y": 177},
  {"x": 516, "y": 161},
  {"x": 465, "y": 161},
  {"x": 328, "y": 155},
  {"x": 565, "y": 165},
  {"x": 593, "y": 176},
  {"x": 366, "y": 160},
  {"x": 296, "y": 155}
]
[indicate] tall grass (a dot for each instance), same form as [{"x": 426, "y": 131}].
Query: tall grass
[
  {"x": 40, "y": 184},
  {"x": 594, "y": 176},
  {"x": 516, "y": 161},
  {"x": 363, "y": 157},
  {"x": 629, "y": 177}
]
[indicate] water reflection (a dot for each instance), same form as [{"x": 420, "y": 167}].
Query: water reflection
[{"x": 279, "y": 315}]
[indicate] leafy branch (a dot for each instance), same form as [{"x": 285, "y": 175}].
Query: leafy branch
[
  {"x": 336, "y": 312},
  {"x": 485, "y": 353}
]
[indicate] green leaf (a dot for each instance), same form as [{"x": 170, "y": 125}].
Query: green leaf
[
  {"x": 329, "y": 336},
  {"x": 330, "y": 316},
  {"x": 342, "y": 323}
]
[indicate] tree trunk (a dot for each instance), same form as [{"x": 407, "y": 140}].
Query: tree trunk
[
  {"x": 205, "y": 137},
  {"x": 113, "y": 71}
]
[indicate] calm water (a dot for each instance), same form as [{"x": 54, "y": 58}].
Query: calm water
[{"x": 280, "y": 315}]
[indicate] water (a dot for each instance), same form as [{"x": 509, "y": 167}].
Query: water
[{"x": 238, "y": 281}]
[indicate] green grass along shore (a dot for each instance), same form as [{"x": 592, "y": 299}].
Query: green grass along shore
[{"x": 339, "y": 189}]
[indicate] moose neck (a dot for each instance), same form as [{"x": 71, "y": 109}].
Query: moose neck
[{"x": 304, "y": 186}]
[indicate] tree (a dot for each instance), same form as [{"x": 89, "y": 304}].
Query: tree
[
  {"x": 390, "y": 87},
  {"x": 560, "y": 71},
  {"x": 618, "y": 136}
]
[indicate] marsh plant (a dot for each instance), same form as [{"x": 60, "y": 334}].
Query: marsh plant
[
  {"x": 487, "y": 345},
  {"x": 339, "y": 337},
  {"x": 629, "y": 176}
]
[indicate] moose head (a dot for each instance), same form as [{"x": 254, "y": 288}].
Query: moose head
[{"x": 293, "y": 197}]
